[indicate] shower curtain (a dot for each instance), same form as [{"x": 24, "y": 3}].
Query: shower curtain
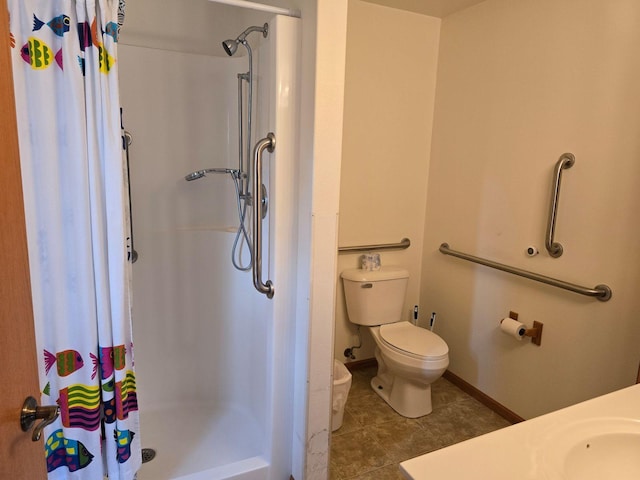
[{"x": 67, "y": 101}]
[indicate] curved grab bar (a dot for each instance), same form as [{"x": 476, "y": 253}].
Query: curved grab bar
[
  {"x": 269, "y": 144},
  {"x": 566, "y": 161},
  {"x": 601, "y": 292}
]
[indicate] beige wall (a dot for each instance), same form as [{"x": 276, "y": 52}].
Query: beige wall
[
  {"x": 519, "y": 83},
  {"x": 389, "y": 95}
]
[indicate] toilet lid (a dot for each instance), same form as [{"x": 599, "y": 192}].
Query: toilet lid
[{"x": 411, "y": 339}]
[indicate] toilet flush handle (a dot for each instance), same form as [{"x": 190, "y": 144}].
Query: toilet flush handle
[{"x": 366, "y": 285}]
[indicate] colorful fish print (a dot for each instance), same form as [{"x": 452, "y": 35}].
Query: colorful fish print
[
  {"x": 81, "y": 63},
  {"x": 68, "y": 361},
  {"x": 111, "y": 358},
  {"x": 38, "y": 54},
  {"x": 105, "y": 60},
  {"x": 84, "y": 35},
  {"x": 80, "y": 406},
  {"x": 125, "y": 395},
  {"x": 94, "y": 33},
  {"x": 95, "y": 362},
  {"x": 109, "y": 386},
  {"x": 119, "y": 359},
  {"x": 124, "y": 401},
  {"x": 65, "y": 452},
  {"x": 58, "y": 58},
  {"x": 106, "y": 362},
  {"x": 111, "y": 29},
  {"x": 47, "y": 389},
  {"x": 109, "y": 410},
  {"x": 59, "y": 24},
  {"x": 123, "y": 443}
]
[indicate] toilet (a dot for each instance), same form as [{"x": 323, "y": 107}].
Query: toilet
[{"x": 409, "y": 358}]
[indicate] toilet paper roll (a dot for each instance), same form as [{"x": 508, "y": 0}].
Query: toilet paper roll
[{"x": 513, "y": 328}]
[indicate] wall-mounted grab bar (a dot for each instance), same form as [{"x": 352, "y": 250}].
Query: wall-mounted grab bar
[
  {"x": 566, "y": 161},
  {"x": 269, "y": 144},
  {"x": 403, "y": 244},
  {"x": 601, "y": 292}
]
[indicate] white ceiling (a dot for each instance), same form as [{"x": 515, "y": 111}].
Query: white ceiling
[{"x": 434, "y": 8}]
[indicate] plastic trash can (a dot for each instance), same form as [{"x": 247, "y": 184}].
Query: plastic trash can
[{"x": 341, "y": 386}]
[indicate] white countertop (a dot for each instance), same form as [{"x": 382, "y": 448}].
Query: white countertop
[{"x": 525, "y": 451}]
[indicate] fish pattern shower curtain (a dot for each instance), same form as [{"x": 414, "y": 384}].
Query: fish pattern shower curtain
[{"x": 67, "y": 101}]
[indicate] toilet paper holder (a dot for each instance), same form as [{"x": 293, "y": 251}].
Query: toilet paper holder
[{"x": 534, "y": 333}]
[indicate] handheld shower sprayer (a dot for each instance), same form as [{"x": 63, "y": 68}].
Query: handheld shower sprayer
[
  {"x": 240, "y": 176},
  {"x": 203, "y": 173}
]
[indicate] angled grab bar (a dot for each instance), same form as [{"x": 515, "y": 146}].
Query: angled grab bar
[
  {"x": 269, "y": 144},
  {"x": 601, "y": 292},
  {"x": 566, "y": 161}
]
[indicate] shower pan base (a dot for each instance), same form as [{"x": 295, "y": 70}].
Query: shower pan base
[{"x": 198, "y": 443}]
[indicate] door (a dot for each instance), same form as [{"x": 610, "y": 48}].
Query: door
[{"x": 20, "y": 458}]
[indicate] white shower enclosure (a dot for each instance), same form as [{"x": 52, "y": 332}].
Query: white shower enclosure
[{"x": 215, "y": 379}]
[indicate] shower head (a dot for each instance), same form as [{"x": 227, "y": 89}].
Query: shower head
[
  {"x": 230, "y": 46},
  {"x": 203, "y": 173},
  {"x": 194, "y": 175}
]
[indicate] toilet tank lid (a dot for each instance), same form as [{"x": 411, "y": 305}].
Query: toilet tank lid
[{"x": 385, "y": 273}]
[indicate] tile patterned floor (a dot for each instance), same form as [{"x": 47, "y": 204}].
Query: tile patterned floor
[{"x": 374, "y": 439}]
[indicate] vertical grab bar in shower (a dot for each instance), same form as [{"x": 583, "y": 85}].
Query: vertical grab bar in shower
[
  {"x": 127, "y": 141},
  {"x": 268, "y": 143},
  {"x": 566, "y": 161}
]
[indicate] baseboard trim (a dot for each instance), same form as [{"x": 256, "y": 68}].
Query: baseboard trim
[
  {"x": 483, "y": 398},
  {"x": 360, "y": 364}
]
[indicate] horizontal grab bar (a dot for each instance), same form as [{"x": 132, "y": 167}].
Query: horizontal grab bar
[
  {"x": 601, "y": 292},
  {"x": 404, "y": 243}
]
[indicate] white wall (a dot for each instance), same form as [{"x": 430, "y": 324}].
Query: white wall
[
  {"x": 179, "y": 224},
  {"x": 520, "y": 83},
  {"x": 189, "y": 26},
  {"x": 389, "y": 99}
]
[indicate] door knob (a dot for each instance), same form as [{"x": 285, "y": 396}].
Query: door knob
[{"x": 31, "y": 412}]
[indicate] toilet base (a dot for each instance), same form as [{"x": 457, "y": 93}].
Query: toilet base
[{"x": 408, "y": 398}]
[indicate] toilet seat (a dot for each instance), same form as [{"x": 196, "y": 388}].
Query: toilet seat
[{"x": 414, "y": 341}]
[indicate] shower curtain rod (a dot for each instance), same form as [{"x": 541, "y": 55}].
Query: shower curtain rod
[{"x": 260, "y": 6}]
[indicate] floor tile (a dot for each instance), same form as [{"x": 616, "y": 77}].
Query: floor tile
[
  {"x": 356, "y": 453},
  {"x": 390, "y": 472},
  {"x": 403, "y": 438},
  {"x": 349, "y": 424},
  {"x": 374, "y": 438}
]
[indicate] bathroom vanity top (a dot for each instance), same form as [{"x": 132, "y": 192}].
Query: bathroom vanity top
[{"x": 595, "y": 439}]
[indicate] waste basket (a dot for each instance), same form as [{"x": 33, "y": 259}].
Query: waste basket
[{"x": 341, "y": 386}]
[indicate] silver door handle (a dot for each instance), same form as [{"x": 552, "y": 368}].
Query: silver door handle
[
  {"x": 269, "y": 144},
  {"x": 31, "y": 412}
]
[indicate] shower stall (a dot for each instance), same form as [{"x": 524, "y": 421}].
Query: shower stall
[{"x": 214, "y": 379}]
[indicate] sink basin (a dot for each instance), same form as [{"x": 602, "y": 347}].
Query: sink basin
[{"x": 594, "y": 449}]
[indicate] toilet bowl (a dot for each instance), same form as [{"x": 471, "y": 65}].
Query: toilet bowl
[{"x": 409, "y": 358}]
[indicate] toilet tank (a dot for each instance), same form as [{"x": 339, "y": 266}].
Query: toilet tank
[{"x": 375, "y": 297}]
